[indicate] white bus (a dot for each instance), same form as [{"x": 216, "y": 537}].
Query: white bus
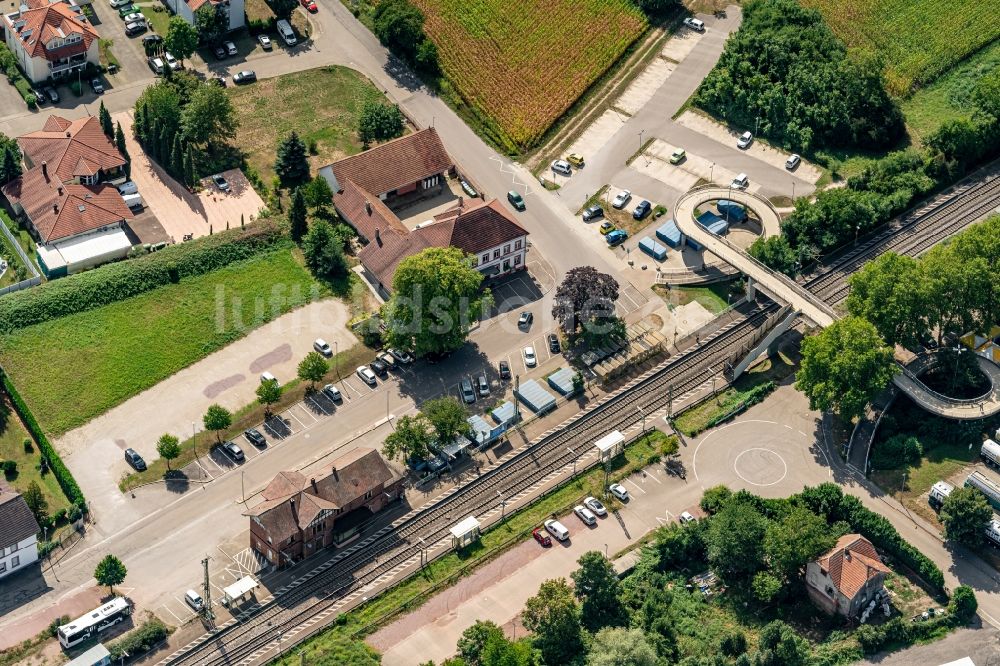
[{"x": 94, "y": 622}]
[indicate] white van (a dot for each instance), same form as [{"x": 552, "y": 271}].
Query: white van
[
  {"x": 194, "y": 600},
  {"x": 286, "y": 32},
  {"x": 133, "y": 200},
  {"x": 557, "y": 529},
  {"x": 740, "y": 182},
  {"x": 128, "y": 187},
  {"x": 267, "y": 377}
]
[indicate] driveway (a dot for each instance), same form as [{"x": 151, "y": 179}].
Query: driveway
[
  {"x": 127, "y": 50},
  {"x": 181, "y": 212}
]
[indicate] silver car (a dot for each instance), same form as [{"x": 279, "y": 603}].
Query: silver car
[
  {"x": 366, "y": 375},
  {"x": 745, "y": 140},
  {"x": 468, "y": 395}
]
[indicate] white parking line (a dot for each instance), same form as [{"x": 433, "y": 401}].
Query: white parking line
[
  {"x": 637, "y": 486},
  {"x": 289, "y": 413},
  {"x": 318, "y": 406},
  {"x": 217, "y": 466}
]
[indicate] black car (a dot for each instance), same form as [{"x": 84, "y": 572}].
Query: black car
[
  {"x": 97, "y": 86},
  {"x": 593, "y": 213},
  {"x": 378, "y": 367},
  {"x": 233, "y": 451},
  {"x": 255, "y": 437},
  {"x": 135, "y": 28},
  {"x": 149, "y": 40},
  {"x": 220, "y": 52},
  {"x": 504, "y": 370},
  {"x": 133, "y": 458},
  {"x": 642, "y": 210},
  {"x": 246, "y": 76},
  {"x": 553, "y": 343},
  {"x": 524, "y": 321}
]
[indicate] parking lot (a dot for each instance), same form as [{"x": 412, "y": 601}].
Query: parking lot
[{"x": 127, "y": 50}]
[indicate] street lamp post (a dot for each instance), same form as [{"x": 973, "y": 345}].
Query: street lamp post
[
  {"x": 711, "y": 173},
  {"x": 643, "y": 413},
  {"x": 336, "y": 363},
  {"x": 503, "y": 506},
  {"x": 793, "y": 190}
]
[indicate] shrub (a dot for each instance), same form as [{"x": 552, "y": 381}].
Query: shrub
[
  {"x": 896, "y": 452},
  {"x": 74, "y": 514},
  {"x": 147, "y": 636},
  {"x": 56, "y": 623},
  {"x": 715, "y": 498},
  {"x": 963, "y": 604},
  {"x": 733, "y": 644},
  {"x": 45, "y": 548},
  {"x": 122, "y": 280},
  {"x": 28, "y": 446},
  {"x": 9, "y": 468}
]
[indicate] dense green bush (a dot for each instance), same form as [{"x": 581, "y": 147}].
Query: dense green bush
[
  {"x": 139, "y": 641},
  {"x": 63, "y": 476},
  {"x": 897, "y": 452},
  {"x": 963, "y": 604},
  {"x": 9, "y": 468},
  {"x": 9, "y": 66},
  {"x": 122, "y": 280}
]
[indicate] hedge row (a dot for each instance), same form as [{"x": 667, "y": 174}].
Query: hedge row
[
  {"x": 143, "y": 639},
  {"x": 63, "y": 476},
  {"x": 9, "y": 66},
  {"x": 118, "y": 281}
]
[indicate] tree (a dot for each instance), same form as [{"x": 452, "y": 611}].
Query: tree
[
  {"x": 596, "y": 585},
  {"x": 447, "y": 416},
  {"x": 735, "y": 542},
  {"x": 775, "y": 253},
  {"x": 715, "y": 498},
  {"x": 268, "y": 393},
  {"x": 585, "y": 298},
  {"x": 779, "y": 645},
  {"x": 798, "y": 538},
  {"x": 110, "y": 572},
  {"x": 177, "y": 155},
  {"x": 217, "y": 418},
  {"x": 966, "y": 514},
  {"x": 10, "y": 159},
  {"x": 844, "y": 367},
  {"x": 297, "y": 215},
  {"x": 498, "y": 651},
  {"x": 104, "y": 116},
  {"x": 313, "y": 368},
  {"x": 400, "y": 27},
  {"x": 324, "y": 251},
  {"x": 36, "y": 501},
  {"x": 208, "y": 117},
  {"x": 436, "y": 296},
  {"x": 291, "y": 163},
  {"x": 283, "y": 8},
  {"x": 474, "y": 639},
  {"x": 961, "y": 295},
  {"x": 963, "y": 604},
  {"x": 616, "y": 646},
  {"x": 318, "y": 193},
  {"x": 211, "y": 23},
  {"x": 379, "y": 122},
  {"x": 411, "y": 439},
  {"x": 181, "y": 38},
  {"x": 169, "y": 447},
  {"x": 891, "y": 292},
  {"x": 164, "y": 144},
  {"x": 122, "y": 148},
  {"x": 190, "y": 176},
  {"x": 553, "y": 616}
]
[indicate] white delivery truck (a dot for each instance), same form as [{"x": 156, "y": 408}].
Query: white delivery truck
[
  {"x": 133, "y": 200},
  {"x": 286, "y": 32},
  {"x": 939, "y": 491}
]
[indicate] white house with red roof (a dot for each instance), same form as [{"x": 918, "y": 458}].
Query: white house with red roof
[
  {"x": 76, "y": 215},
  {"x": 232, "y": 10},
  {"x": 846, "y": 578},
  {"x": 51, "y": 39}
]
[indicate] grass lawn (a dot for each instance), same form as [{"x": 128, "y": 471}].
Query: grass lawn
[
  {"x": 909, "y": 485},
  {"x": 106, "y": 355},
  {"x": 156, "y": 15},
  {"x": 713, "y": 297},
  {"x": 919, "y": 40},
  {"x": 12, "y": 436},
  {"x": 343, "y": 638},
  {"x": 322, "y": 105}
]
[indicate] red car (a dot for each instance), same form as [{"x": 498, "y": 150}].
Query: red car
[
  {"x": 310, "y": 5},
  {"x": 541, "y": 537}
]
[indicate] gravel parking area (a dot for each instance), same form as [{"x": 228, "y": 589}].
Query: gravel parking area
[{"x": 682, "y": 177}]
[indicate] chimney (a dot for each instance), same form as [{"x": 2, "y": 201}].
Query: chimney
[
  {"x": 460, "y": 202},
  {"x": 378, "y": 238},
  {"x": 368, "y": 207},
  {"x": 847, "y": 555},
  {"x": 45, "y": 170},
  {"x": 315, "y": 487},
  {"x": 295, "y": 514},
  {"x": 55, "y": 208},
  {"x": 69, "y": 135},
  {"x": 59, "y": 190},
  {"x": 333, "y": 471}
]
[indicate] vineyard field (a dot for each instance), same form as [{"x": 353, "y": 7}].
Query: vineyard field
[
  {"x": 520, "y": 64},
  {"x": 918, "y": 40}
]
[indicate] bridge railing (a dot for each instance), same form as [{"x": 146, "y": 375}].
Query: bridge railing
[{"x": 926, "y": 361}]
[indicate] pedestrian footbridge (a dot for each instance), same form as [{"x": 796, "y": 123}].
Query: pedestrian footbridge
[{"x": 783, "y": 289}]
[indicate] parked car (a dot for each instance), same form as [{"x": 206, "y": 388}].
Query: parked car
[
  {"x": 220, "y": 53},
  {"x": 595, "y": 505},
  {"x": 562, "y": 167},
  {"x": 618, "y": 490},
  {"x": 557, "y": 529},
  {"x": 150, "y": 40},
  {"x": 310, "y": 5},
  {"x": 230, "y": 48},
  {"x": 621, "y": 199},
  {"x": 695, "y": 24},
  {"x": 171, "y": 61},
  {"x": 388, "y": 360},
  {"x": 246, "y": 76},
  {"x": 616, "y": 237},
  {"x": 585, "y": 514},
  {"x": 401, "y": 356},
  {"x": 233, "y": 450},
  {"x": 135, "y": 28},
  {"x": 642, "y": 210},
  {"x": 553, "y": 343},
  {"x": 678, "y": 156},
  {"x": 255, "y": 437},
  {"x": 686, "y": 517},
  {"x": 504, "y": 370},
  {"x": 524, "y": 321},
  {"x": 265, "y": 42},
  {"x": 40, "y": 95},
  {"x": 516, "y": 200},
  {"x": 792, "y": 162},
  {"x": 332, "y": 392},
  {"x": 125, "y": 10},
  {"x": 267, "y": 377},
  {"x": 133, "y": 458},
  {"x": 323, "y": 347},
  {"x": 128, "y": 187},
  {"x": 220, "y": 182},
  {"x": 194, "y": 600},
  {"x": 53, "y": 95},
  {"x": 529, "y": 356},
  {"x": 468, "y": 395},
  {"x": 366, "y": 375},
  {"x": 576, "y": 159},
  {"x": 740, "y": 182},
  {"x": 541, "y": 537},
  {"x": 593, "y": 213},
  {"x": 219, "y": 81},
  {"x": 378, "y": 367},
  {"x": 745, "y": 140},
  {"x": 115, "y": 4},
  {"x": 156, "y": 64},
  {"x": 606, "y": 227},
  {"x": 134, "y": 17},
  {"x": 97, "y": 86},
  {"x": 483, "y": 385}
]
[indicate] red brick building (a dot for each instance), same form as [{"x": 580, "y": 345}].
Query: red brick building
[{"x": 300, "y": 516}]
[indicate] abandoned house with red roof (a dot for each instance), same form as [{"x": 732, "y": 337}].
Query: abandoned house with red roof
[
  {"x": 366, "y": 186},
  {"x": 78, "y": 219},
  {"x": 844, "y": 580},
  {"x": 51, "y": 39},
  {"x": 300, "y": 516}
]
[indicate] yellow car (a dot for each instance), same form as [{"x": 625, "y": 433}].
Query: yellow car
[
  {"x": 606, "y": 228},
  {"x": 575, "y": 159}
]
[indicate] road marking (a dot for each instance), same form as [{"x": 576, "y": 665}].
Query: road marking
[
  {"x": 318, "y": 406},
  {"x": 289, "y": 413},
  {"x": 637, "y": 486}
]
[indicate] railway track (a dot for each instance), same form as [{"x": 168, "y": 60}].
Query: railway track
[{"x": 397, "y": 546}]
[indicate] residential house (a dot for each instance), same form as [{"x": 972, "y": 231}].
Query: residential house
[
  {"x": 300, "y": 516},
  {"x": 847, "y": 578},
  {"x": 78, "y": 219},
  {"x": 368, "y": 184},
  {"x": 51, "y": 39},
  {"x": 18, "y": 533},
  {"x": 233, "y": 12}
]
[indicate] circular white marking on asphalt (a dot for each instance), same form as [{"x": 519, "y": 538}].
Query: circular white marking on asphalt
[{"x": 765, "y": 462}]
